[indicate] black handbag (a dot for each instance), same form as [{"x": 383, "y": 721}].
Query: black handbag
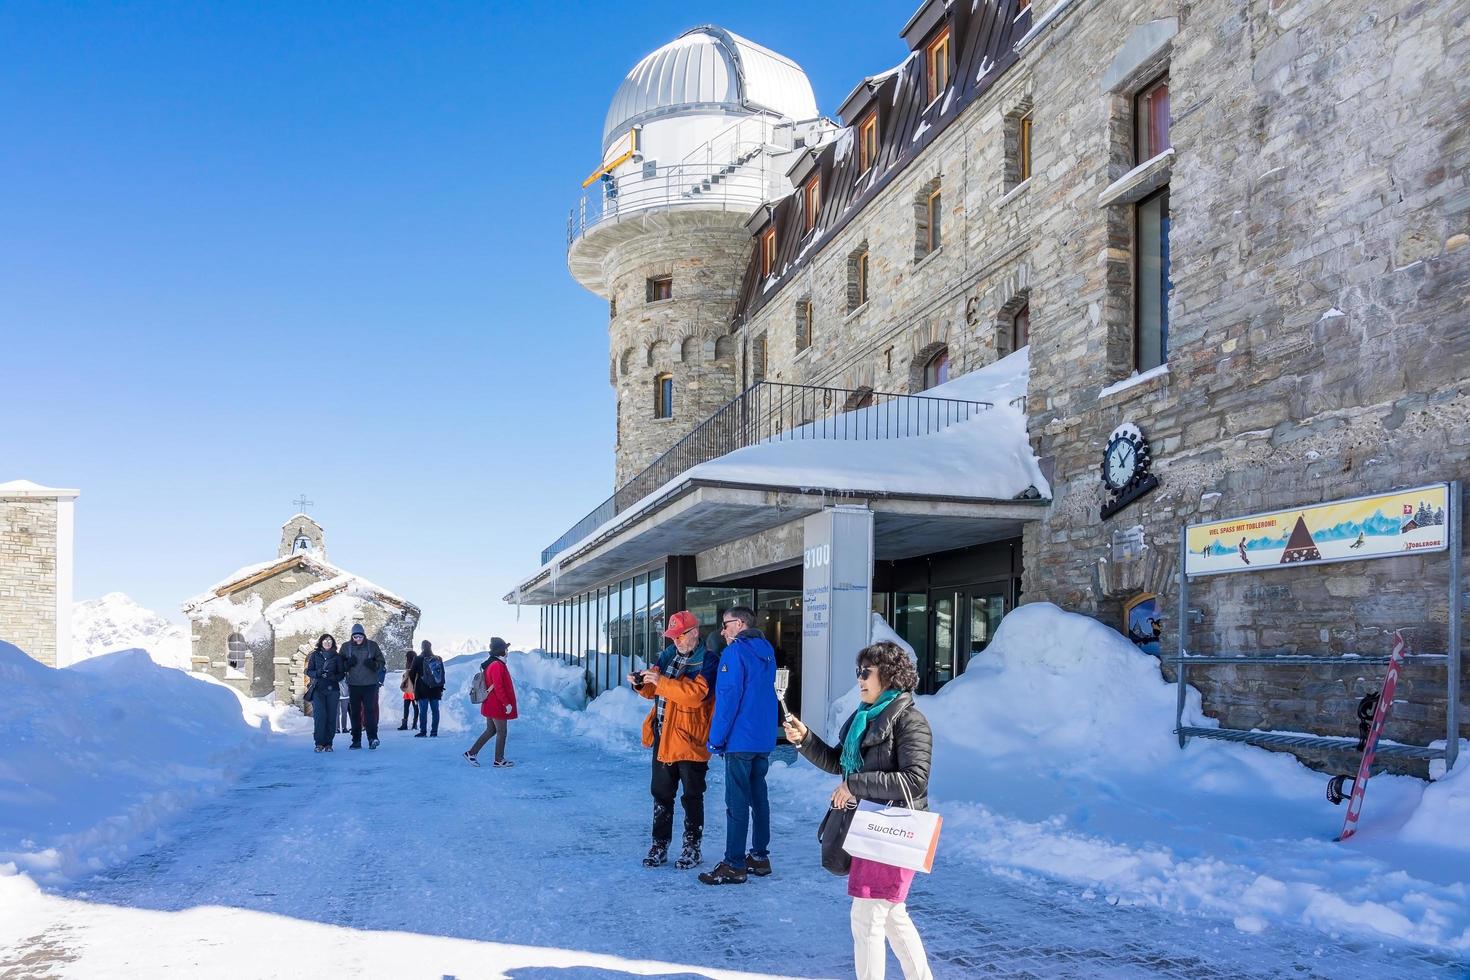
[{"x": 831, "y": 833}]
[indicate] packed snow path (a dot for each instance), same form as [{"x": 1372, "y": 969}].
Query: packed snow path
[{"x": 412, "y": 840}]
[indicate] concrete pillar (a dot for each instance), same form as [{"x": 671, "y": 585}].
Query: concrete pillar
[{"x": 836, "y": 607}]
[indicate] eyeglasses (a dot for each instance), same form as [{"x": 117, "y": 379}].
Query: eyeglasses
[
  {"x": 728, "y": 622},
  {"x": 863, "y": 672}
]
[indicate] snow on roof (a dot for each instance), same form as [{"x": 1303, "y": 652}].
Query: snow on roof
[
  {"x": 198, "y": 603},
  {"x": 25, "y": 488},
  {"x": 987, "y": 457}
]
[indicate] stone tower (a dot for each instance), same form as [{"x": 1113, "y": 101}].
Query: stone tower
[
  {"x": 302, "y": 535},
  {"x": 691, "y": 148}
]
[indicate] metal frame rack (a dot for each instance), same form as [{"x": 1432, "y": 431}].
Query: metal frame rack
[{"x": 1183, "y": 660}]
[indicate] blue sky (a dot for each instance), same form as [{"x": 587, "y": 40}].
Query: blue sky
[{"x": 251, "y": 250}]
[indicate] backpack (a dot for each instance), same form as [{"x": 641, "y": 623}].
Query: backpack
[
  {"x": 434, "y": 672},
  {"x": 479, "y": 689}
]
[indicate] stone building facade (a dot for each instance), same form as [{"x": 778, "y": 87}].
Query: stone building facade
[
  {"x": 1241, "y": 228},
  {"x": 36, "y": 569},
  {"x": 255, "y": 629},
  {"x": 1318, "y": 348}
]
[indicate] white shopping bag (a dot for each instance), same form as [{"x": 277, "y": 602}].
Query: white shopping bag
[{"x": 896, "y": 835}]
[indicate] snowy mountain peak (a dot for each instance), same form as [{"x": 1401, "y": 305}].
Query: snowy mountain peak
[{"x": 116, "y": 622}]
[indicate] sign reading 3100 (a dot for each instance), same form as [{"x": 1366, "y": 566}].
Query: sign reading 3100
[{"x": 1380, "y": 526}]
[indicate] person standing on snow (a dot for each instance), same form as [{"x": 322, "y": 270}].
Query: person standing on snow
[
  {"x": 677, "y": 728},
  {"x": 428, "y": 688},
  {"x": 883, "y": 755},
  {"x": 365, "y": 664},
  {"x": 498, "y": 708},
  {"x": 743, "y": 730},
  {"x": 325, "y": 668},
  {"x": 406, "y": 685}
]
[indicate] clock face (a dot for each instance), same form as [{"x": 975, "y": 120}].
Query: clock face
[{"x": 1120, "y": 464}]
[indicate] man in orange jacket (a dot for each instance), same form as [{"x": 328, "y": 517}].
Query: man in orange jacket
[{"x": 677, "y": 728}]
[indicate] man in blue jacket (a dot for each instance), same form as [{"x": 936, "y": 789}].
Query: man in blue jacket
[{"x": 744, "y": 732}]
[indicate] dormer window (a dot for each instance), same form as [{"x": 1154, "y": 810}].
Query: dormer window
[
  {"x": 868, "y": 142},
  {"x": 812, "y": 196},
  {"x": 768, "y": 251},
  {"x": 936, "y": 58}
]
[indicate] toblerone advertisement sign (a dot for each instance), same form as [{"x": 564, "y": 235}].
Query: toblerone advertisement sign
[{"x": 1380, "y": 526}]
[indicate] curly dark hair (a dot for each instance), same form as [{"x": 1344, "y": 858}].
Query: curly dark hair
[{"x": 895, "y": 669}]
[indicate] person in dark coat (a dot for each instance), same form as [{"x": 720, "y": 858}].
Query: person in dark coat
[
  {"x": 365, "y": 665},
  {"x": 325, "y": 668},
  {"x": 743, "y": 730},
  {"x": 883, "y": 755},
  {"x": 426, "y": 693}
]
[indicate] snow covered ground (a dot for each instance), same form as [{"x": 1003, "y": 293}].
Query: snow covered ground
[{"x": 150, "y": 826}]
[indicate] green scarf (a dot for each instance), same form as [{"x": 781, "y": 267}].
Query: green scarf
[{"x": 852, "y": 745}]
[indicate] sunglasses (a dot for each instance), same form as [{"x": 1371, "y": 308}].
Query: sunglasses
[
  {"x": 863, "y": 672},
  {"x": 728, "y": 622}
]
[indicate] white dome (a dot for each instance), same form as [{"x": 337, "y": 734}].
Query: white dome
[{"x": 705, "y": 71}]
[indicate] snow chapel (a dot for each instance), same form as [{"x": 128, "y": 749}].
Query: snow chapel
[{"x": 254, "y": 629}]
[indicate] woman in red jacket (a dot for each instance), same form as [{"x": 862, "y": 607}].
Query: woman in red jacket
[{"x": 499, "y": 706}]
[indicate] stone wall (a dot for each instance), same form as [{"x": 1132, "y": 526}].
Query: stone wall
[
  {"x": 28, "y": 534},
  {"x": 685, "y": 336},
  {"x": 1318, "y": 347}
]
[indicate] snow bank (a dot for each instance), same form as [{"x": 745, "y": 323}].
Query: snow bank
[
  {"x": 99, "y": 756},
  {"x": 115, "y": 622},
  {"x": 1054, "y": 754},
  {"x": 1443, "y": 815}
]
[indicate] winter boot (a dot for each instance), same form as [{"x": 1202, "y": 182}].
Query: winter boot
[
  {"x": 760, "y": 867},
  {"x": 690, "y": 856},
  {"x": 723, "y": 874},
  {"x": 657, "y": 854}
]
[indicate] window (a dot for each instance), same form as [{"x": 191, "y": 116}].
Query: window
[
  {"x": 1151, "y": 279},
  {"x": 1023, "y": 148},
  {"x": 868, "y": 142},
  {"x": 1151, "y": 120},
  {"x": 236, "y": 651},
  {"x": 812, "y": 196},
  {"x": 1021, "y": 328},
  {"x": 857, "y": 278},
  {"x": 931, "y": 207},
  {"x": 663, "y": 396},
  {"x": 936, "y": 54},
  {"x": 660, "y": 287},
  {"x": 768, "y": 251},
  {"x": 936, "y": 371},
  {"x": 758, "y": 360},
  {"x": 803, "y": 324}
]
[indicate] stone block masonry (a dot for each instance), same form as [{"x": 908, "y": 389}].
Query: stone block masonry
[{"x": 28, "y": 539}]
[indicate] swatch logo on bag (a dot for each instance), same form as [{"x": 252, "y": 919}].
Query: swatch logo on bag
[{"x": 892, "y": 831}]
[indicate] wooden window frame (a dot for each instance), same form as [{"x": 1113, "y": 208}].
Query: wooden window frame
[
  {"x": 868, "y": 150},
  {"x": 768, "y": 251},
  {"x": 1144, "y": 120},
  {"x": 933, "y": 232},
  {"x": 804, "y": 324},
  {"x": 930, "y": 367},
  {"x": 1021, "y": 315},
  {"x": 663, "y": 407},
  {"x": 1166, "y": 286},
  {"x": 660, "y": 288},
  {"x": 811, "y": 195},
  {"x": 1023, "y": 148},
  {"x": 937, "y": 72},
  {"x": 862, "y": 278}
]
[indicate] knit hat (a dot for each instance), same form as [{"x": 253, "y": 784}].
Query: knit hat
[
  {"x": 680, "y": 623},
  {"x": 497, "y": 645},
  {"x": 357, "y": 630}
]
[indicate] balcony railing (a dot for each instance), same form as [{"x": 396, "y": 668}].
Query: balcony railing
[
  {"x": 740, "y": 185},
  {"x": 775, "y": 412}
]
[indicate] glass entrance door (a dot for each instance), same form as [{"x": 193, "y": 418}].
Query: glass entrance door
[
  {"x": 985, "y": 608},
  {"x": 962, "y": 623}
]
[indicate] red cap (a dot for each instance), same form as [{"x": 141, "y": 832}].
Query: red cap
[{"x": 681, "y": 622}]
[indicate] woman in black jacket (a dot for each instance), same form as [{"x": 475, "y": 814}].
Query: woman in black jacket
[
  {"x": 883, "y": 756},
  {"x": 325, "y": 668}
]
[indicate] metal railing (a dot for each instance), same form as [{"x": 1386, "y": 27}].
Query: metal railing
[
  {"x": 741, "y": 184},
  {"x": 772, "y": 411}
]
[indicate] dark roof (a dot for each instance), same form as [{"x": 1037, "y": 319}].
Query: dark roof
[{"x": 907, "y": 123}]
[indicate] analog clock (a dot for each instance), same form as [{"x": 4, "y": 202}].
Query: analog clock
[{"x": 1125, "y": 468}]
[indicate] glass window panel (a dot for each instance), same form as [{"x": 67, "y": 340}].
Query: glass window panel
[
  {"x": 1153, "y": 280},
  {"x": 911, "y": 621},
  {"x": 655, "y": 612},
  {"x": 943, "y": 640},
  {"x": 709, "y": 602}
]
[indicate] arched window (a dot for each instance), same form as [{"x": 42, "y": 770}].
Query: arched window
[
  {"x": 237, "y": 650},
  {"x": 663, "y": 396},
  {"x": 936, "y": 371}
]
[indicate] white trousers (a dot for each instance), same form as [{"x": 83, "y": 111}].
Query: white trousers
[{"x": 872, "y": 920}]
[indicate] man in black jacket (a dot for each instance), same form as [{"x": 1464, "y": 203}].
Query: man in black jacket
[{"x": 364, "y": 666}]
